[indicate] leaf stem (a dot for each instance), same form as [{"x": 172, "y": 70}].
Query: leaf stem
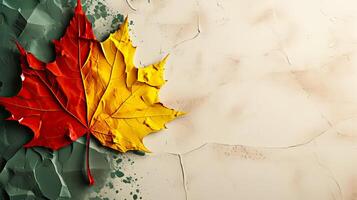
[{"x": 89, "y": 174}]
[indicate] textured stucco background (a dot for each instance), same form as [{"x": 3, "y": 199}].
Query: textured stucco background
[{"x": 270, "y": 88}]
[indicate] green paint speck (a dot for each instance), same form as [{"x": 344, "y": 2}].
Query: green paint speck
[
  {"x": 119, "y": 161},
  {"x": 119, "y": 173}
]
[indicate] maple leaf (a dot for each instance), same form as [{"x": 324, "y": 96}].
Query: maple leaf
[{"x": 91, "y": 88}]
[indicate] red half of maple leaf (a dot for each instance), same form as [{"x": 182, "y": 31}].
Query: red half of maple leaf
[{"x": 52, "y": 101}]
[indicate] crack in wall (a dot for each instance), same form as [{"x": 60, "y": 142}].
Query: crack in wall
[
  {"x": 183, "y": 176},
  {"x": 198, "y": 32},
  {"x": 184, "y": 180},
  {"x": 130, "y": 5},
  {"x": 329, "y": 174},
  {"x": 289, "y": 62},
  {"x": 309, "y": 141}
]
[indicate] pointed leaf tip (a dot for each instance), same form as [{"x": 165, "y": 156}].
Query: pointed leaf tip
[
  {"x": 79, "y": 8},
  {"x": 20, "y": 48},
  {"x": 166, "y": 57},
  {"x": 180, "y": 113},
  {"x": 125, "y": 23}
]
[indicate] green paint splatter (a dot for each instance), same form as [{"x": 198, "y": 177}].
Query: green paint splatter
[{"x": 120, "y": 178}]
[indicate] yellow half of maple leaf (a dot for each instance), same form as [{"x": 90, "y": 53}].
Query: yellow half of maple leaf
[{"x": 122, "y": 100}]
